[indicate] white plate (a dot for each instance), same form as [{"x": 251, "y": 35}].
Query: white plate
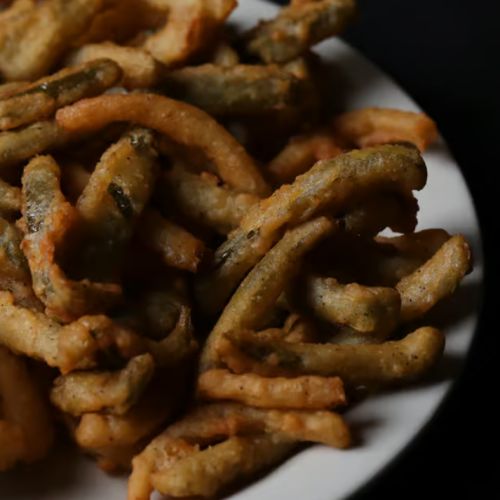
[{"x": 386, "y": 423}]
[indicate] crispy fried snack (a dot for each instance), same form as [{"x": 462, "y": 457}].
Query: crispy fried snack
[
  {"x": 371, "y": 126},
  {"x": 298, "y": 27},
  {"x": 181, "y": 122},
  {"x": 40, "y": 100},
  {"x": 301, "y": 393}
]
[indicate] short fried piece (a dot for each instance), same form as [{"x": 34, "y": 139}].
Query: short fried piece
[
  {"x": 184, "y": 124},
  {"x": 115, "y": 392},
  {"x": 201, "y": 199},
  {"x": 373, "y": 366},
  {"x": 370, "y": 126},
  {"x": 259, "y": 291},
  {"x": 331, "y": 184},
  {"x": 301, "y": 393},
  {"x": 41, "y": 99},
  {"x": 48, "y": 218},
  {"x": 434, "y": 280},
  {"x": 239, "y": 90},
  {"x": 140, "y": 69},
  {"x": 298, "y": 27}
]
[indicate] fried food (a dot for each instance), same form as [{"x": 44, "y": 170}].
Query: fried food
[
  {"x": 301, "y": 393},
  {"x": 10, "y": 199},
  {"x": 181, "y": 122}
]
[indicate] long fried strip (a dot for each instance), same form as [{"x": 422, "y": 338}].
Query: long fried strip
[
  {"x": 298, "y": 27},
  {"x": 140, "y": 69},
  {"x": 258, "y": 293},
  {"x": 177, "y": 246},
  {"x": 434, "y": 280},
  {"x": 332, "y": 184},
  {"x": 41, "y": 99},
  {"x": 113, "y": 200},
  {"x": 370, "y": 126},
  {"x": 48, "y": 218},
  {"x": 114, "y": 392},
  {"x": 19, "y": 145},
  {"x": 184, "y": 124},
  {"x": 301, "y": 393},
  {"x": 239, "y": 90},
  {"x": 368, "y": 365}
]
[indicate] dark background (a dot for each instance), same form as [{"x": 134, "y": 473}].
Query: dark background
[{"x": 446, "y": 54}]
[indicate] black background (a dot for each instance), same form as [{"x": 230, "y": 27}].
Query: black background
[{"x": 446, "y": 54}]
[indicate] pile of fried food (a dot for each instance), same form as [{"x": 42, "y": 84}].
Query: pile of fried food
[{"x": 191, "y": 265}]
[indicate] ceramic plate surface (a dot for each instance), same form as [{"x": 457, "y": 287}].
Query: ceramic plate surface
[{"x": 386, "y": 423}]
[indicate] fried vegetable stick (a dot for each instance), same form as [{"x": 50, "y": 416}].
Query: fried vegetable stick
[
  {"x": 208, "y": 471},
  {"x": 113, "y": 200},
  {"x": 239, "y": 90},
  {"x": 330, "y": 185},
  {"x": 15, "y": 274},
  {"x": 373, "y": 311},
  {"x": 201, "y": 199},
  {"x": 140, "y": 69},
  {"x": 436, "y": 279},
  {"x": 297, "y": 28},
  {"x": 184, "y": 124},
  {"x": 17, "y": 146},
  {"x": 41, "y": 99},
  {"x": 24, "y": 406},
  {"x": 48, "y": 218},
  {"x": 190, "y": 26},
  {"x": 38, "y": 33},
  {"x": 372, "y": 366},
  {"x": 300, "y": 393},
  {"x": 258, "y": 293},
  {"x": 177, "y": 246},
  {"x": 370, "y": 126},
  {"x": 299, "y": 328},
  {"x": 114, "y": 392},
  {"x": 10, "y": 199},
  {"x": 10, "y": 88}
]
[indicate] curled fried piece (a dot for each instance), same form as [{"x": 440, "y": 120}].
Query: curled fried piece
[
  {"x": 19, "y": 145},
  {"x": 115, "y": 392},
  {"x": 297, "y": 28},
  {"x": 113, "y": 200},
  {"x": 201, "y": 199},
  {"x": 370, "y": 126},
  {"x": 140, "y": 69},
  {"x": 434, "y": 280},
  {"x": 184, "y": 124},
  {"x": 259, "y": 291},
  {"x": 239, "y": 90},
  {"x": 47, "y": 218},
  {"x": 371, "y": 310},
  {"x": 177, "y": 246},
  {"x": 41, "y": 99},
  {"x": 35, "y": 35},
  {"x": 332, "y": 184},
  {"x": 368, "y": 365},
  {"x": 301, "y": 393},
  {"x": 191, "y": 24},
  {"x": 25, "y": 412}
]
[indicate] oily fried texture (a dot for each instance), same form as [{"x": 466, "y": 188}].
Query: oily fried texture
[
  {"x": 298, "y": 27},
  {"x": 184, "y": 124},
  {"x": 370, "y": 126}
]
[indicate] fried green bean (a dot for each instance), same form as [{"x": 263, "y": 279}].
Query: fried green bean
[
  {"x": 48, "y": 220},
  {"x": 298, "y": 27},
  {"x": 113, "y": 200},
  {"x": 258, "y": 293},
  {"x": 201, "y": 199},
  {"x": 332, "y": 185},
  {"x": 114, "y": 392},
  {"x": 372, "y": 366},
  {"x": 239, "y": 90},
  {"x": 17, "y": 146},
  {"x": 41, "y": 99}
]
